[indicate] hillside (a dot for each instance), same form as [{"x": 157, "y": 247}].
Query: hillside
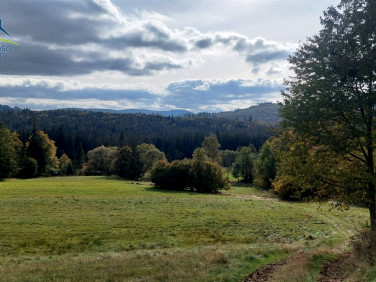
[
  {"x": 176, "y": 136},
  {"x": 175, "y": 113},
  {"x": 265, "y": 113},
  {"x": 8, "y": 108}
]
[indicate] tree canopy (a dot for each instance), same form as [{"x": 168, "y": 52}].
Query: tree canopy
[
  {"x": 42, "y": 149},
  {"x": 211, "y": 147},
  {"x": 330, "y": 101},
  {"x": 7, "y": 152}
]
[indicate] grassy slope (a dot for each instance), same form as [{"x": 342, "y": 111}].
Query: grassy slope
[{"x": 93, "y": 228}]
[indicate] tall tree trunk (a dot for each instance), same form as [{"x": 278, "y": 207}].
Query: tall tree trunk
[
  {"x": 372, "y": 206},
  {"x": 371, "y": 169}
]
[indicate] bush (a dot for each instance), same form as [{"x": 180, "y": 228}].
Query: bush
[
  {"x": 288, "y": 189},
  {"x": 160, "y": 174},
  {"x": 174, "y": 176},
  {"x": 200, "y": 176},
  {"x": 364, "y": 245},
  {"x": 180, "y": 174},
  {"x": 29, "y": 168},
  {"x": 208, "y": 177}
]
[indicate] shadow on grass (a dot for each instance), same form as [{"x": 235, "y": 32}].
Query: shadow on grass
[{"x": 177, "y": 192}]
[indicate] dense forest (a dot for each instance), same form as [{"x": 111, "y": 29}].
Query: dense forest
[
  {"x": 177, "y": 137},
  {"x": 267, "y": 113}
]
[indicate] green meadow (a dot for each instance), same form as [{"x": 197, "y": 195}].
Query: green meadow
[{"x": 100, "y": 228}]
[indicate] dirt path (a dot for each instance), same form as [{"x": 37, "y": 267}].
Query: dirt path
[
  {"x": 268, "y": 272},
  {"x": 264, "y": 273},
  {"x": 334, "y": 271}
]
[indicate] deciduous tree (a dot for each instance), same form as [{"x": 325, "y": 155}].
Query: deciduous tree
[
  {"x": 7, "y": 152},
  {"x": 331, "y": 99},
  {"x": 101, "y": 160},
  {"x": 42, "y": 149},
  {"x": 65, "y": 165},
  {"x": 211, "y": 147},
  {"x": 149, "y": 155}
]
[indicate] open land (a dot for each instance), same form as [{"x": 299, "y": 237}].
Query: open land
[{"x": 103, "y": 228}]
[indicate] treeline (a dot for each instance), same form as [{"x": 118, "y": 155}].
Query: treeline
[
  {"x": 176, "y": 137},
  {"x": 281, "y": 163},
  {"x": 37, "y": 157}
]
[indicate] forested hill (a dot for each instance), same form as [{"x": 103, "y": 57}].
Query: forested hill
[
  {"x": 176, "y": 136},
  {"x": 175, "y": 113},
  {"x": 7, "y": 108},
  {"x": 264, "y": 113}
]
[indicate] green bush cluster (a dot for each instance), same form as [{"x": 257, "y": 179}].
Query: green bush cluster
[{"x": 197, "y": 175}]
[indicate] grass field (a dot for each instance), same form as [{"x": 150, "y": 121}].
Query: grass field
[{"x": 98, "y": 228}]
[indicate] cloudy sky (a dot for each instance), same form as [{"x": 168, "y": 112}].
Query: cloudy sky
[{"x": 208, "y": 55}]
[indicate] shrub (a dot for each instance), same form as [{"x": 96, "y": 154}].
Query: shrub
[
  {"x": 208, "y": 177},
  {"x": 160, "y": 174},
  {"x": 200, "y": 176},
  {"x": 179, "y": 174},
  {"x": 364, "y": 245},
  {"x": 29, "y": 168}
]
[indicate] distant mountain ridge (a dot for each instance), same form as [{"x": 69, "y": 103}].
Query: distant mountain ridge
[
  {"x": 176, "y": 113},
  {"x": 265, "y": 113},
  {"x": 7, "y": 108}
]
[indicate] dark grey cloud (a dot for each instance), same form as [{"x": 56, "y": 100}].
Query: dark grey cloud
[
  {"x": 68, "y": 37},
  {"x": 204, "y": 43},
  {"x": 58, "y": 38},
  {"x": 202, "y": 93},
  {"x": 51, "y": 21},
  {"x": 257, "y": 51},
  {"x": 30, "y": 59},
  {"x": 267, "y": 56},
  {"x": 136, "y": 39},
  {"x": 55, "y": 93}
]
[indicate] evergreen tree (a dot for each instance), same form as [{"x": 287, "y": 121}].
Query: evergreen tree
[
  {"x": 265, "y": 169},
  {"x": 245, "y": 163},
  {"x": 80, "y": 159}
]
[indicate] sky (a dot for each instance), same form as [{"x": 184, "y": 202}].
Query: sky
[{"x": 202, "y": 56}]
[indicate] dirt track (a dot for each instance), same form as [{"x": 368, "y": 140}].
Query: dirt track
[{"x": 331, "y": 271}]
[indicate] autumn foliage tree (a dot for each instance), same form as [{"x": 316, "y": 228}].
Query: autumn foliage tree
[
  {"x": 43, "y": 150},
  {"x": 7, "y": 152},
  {"x": 331, "y": 99}
]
